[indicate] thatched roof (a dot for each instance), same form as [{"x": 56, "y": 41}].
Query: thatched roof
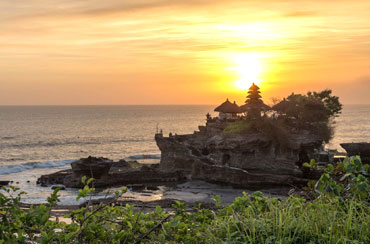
[
  {"x": 228, "y": 107},
  {"x": 247, "y": 107}
]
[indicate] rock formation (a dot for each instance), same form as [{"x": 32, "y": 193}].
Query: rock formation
[
  {"x": 120, "y": 173},
  {"x": 252, "y": 160},
  {"x": 91, "y": 167},
  {"x": 243, "y": 160},
  {"x": 4, "y": 182},
  {"x": 361, "y": 149}
]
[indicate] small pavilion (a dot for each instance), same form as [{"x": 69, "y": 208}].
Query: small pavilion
[{"x": 228, "y": 110}]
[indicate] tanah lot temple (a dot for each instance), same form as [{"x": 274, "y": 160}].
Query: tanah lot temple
[{"x": 253, "y": 106}]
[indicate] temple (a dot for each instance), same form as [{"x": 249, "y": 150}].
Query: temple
[
  {"x": 228, "y": 110},
  {"x": 252, "y": 108}
]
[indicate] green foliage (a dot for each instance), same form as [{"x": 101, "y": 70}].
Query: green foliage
[
  {"x": 274, "y": 129},
  {"x": 337, "y": 215},
  {"x": 238, "y": 127},
  {"x": 313, "y": 112},
  {"x": 350, "y": 179}
]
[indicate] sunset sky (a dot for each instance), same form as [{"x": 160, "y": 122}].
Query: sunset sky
[{"x": 181, "y": 52}]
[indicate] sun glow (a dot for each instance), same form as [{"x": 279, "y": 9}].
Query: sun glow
[{"x": 249, "y": 68}]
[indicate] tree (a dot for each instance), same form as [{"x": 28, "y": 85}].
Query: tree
[
  {"x": 332, "y": 105},
  {"x": 313, "y": 111}
]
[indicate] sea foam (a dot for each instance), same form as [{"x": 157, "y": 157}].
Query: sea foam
[
  {"x": 144, "y": 156},
  {"x": 16, "y": 168}
]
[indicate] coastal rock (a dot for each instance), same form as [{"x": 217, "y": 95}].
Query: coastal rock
[
  {"x": 4, "y": 182},
  {"x": 119, "y": 174},
  {"x": 242, "y": 160},
  {"x": 361, "y": 149},
  {"x": 54, "y": 178},
  {"x": 121, "y": 163},
  {"x": 91, "y": 167}
]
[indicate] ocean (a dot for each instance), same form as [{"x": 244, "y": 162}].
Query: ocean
[{"x": 36, "y": 140}]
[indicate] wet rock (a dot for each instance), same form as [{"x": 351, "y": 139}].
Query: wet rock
[
  {"x": 361, "y": 149},
  {"x": 54, "y": 178},
  {"x": 91, "y": 167},
  {"x": 124, "y": 175},
  {"x": 4, "y": 182}
]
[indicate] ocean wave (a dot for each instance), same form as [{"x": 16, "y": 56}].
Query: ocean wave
[
  {"x": 16, "y": 168},
  {"x": 144, "y": 156},
  {"x": 68, "y": 142}
]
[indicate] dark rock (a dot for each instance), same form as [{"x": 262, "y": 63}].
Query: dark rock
[
  {"x": 4, "y": 182},
  {"x": 125, "y": 175},
  {"x": 361, "y": 149},
  {"x": 121, "y": 163},
  {"x": 61, "y": 187},
  {"x": 54, "y": 178},
  {"x": 91, "y": 167},
  {"x": 252, "y": 160},
  {"x": 152, "y": 188}
]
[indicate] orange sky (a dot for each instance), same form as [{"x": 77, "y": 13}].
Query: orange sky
[{"x": 171, "y": 52}]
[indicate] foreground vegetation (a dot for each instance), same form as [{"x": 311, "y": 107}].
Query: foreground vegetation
[{"x": 335, "y": 210}]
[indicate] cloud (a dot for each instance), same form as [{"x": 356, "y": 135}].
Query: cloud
[{"x": 297, "y": 14}]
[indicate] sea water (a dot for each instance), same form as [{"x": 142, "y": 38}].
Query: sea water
[{"x": 36, "y": 140}]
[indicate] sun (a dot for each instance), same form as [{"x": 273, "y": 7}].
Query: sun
[{"x": 249, "y": 68}]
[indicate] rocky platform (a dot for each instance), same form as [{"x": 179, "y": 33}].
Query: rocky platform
[
  {"x": 108, "y": 173},
  {"x": 241, "y": 160}
]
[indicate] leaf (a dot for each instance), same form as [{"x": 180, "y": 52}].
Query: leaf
[
  {"x": 90, "y": 180},
  {"x": 307, "y": 165},
  {"x": 345, "y": 176},
  {"x": 83, "y": 180}
]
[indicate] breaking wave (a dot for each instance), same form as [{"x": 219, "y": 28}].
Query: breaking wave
[
  {"x": 144, "y": 156},
  {"x": 16, "y": 168}
]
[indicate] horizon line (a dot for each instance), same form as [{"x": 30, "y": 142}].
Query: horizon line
[{"x": 25, "y": 105}]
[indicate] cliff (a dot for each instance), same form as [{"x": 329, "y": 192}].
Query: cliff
[{"x": 245, "y": 160}]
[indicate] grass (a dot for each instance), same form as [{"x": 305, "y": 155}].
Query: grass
[
  {"x": 339, "y": 213},
  {"x": 274, "y": 129},
  {"x": 250, "y": 219},
  {"x": 237, "y": 127}
]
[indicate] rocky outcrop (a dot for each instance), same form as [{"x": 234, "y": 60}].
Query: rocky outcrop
[
  {"x": 243, "y": 160},
  {"x": 120, "y": 173},
  {"x": 361, "y": 149},
  {"x": 54, "y": 178},
  {"x": 91, "y": 167},
  {"x": 4, "y": 182}
]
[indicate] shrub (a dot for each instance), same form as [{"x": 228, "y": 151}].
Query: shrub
[
  {"x": 335, "y": 216},
  {"x": 274, "y": 129},
  {"x": 349, "y": 179}
]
